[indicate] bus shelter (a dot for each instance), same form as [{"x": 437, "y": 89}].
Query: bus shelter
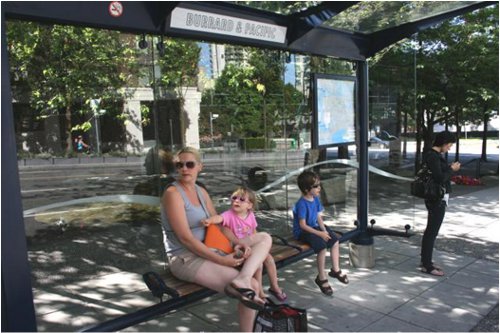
[{"x": 349, "y": 30}]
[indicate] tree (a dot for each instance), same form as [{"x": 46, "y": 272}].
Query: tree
[
  {"x": 456, "y": 73},
  {"x": 61, "y": 68}
]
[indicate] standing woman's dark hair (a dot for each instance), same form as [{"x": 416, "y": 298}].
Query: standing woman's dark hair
[{"x": 441, "y": 173}]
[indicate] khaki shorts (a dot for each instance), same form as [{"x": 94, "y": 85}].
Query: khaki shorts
[{"x": 186, "y": 264}]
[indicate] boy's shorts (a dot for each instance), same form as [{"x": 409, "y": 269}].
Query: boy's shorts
[{"x": 316, "y": 242}]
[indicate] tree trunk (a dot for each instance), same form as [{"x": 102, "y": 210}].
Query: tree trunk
[
  {"x": 69, "y": 138},
  {"x": 486, "y": 118},
  {"x": 418, "y": 138},
  {"x": 459, "y": 131}
]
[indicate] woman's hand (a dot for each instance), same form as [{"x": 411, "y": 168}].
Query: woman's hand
[
  {"x": 242, "y": 251},
  {"x": 455, "y": 166},
  {"x": 231, "y": 261}
]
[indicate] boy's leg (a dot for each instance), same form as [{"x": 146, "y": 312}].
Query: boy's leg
[
  {"x": 335, "y": 256},
  {"x": 320, "y": 262}
]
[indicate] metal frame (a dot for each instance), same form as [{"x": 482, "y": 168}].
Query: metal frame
[{"x": 304, "y": 35}]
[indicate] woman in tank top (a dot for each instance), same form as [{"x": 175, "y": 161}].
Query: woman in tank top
[{"x": 184, "y": 205}]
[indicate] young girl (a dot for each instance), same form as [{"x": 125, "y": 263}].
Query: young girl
[
  {"x": 308, "y": 227},
  {"x": 240, "y": 226}
]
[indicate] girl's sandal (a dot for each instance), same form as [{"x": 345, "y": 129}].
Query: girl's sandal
[
  {"x": 327, "y": 290},
  {"x": 339, "y": 276}
]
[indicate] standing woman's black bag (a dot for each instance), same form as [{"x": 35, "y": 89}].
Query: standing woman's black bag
[
  {"x": 280, "y": 318},
  {"x": 425, "y": 187}
]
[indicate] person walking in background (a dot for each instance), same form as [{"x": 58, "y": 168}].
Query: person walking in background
[
  {"x": 441, "y": 173},
  {"x": 309, "y": 228},
  {"x": 81, "y": 146},
  {"x": 240, "y": 226},
  {"x": 183, "y": 205}
]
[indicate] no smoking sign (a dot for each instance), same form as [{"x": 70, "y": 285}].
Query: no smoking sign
[{"x": 115, "y": 9}]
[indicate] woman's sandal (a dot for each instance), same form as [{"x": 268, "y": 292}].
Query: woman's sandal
[
  {"x": 339, "y": 276},
  {"x": 279, "y": 296},
  {"x": 432, "y": 270},
  {"x": 244, "y": 295},
  {"x": 321, "y": 284}
]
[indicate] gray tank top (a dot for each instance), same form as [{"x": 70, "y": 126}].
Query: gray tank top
[{"x": 194, "y": 215}]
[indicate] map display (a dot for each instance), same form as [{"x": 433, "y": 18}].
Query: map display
[{"x": 334, "y": 114}]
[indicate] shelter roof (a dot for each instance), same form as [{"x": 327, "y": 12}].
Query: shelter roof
[{"x": 353, "y": 30}]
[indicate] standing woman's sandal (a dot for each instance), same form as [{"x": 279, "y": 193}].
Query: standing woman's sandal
[
  {"x": 327, "y": 290},
  {"x": 432, "y": 270},
  {"x": 339, "y": 276}
]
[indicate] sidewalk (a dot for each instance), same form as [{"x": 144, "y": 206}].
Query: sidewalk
[{"x": 393, "y": 296}]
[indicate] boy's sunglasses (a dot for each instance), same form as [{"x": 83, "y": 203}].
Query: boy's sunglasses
[
  {"x": 189, "y": 165},
  {"x": 316, "y": 185},
  {"x": 241, "y": 199}
]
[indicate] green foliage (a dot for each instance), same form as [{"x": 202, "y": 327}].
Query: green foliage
[
  {"x": 251, "y": 99},
  {"x": 457, "y": 71},
  {"x": 179, "y": 64},
  {"x": 56, "y": 68}
]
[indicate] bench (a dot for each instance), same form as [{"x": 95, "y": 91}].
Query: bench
[{"x": 284, "y": 251}]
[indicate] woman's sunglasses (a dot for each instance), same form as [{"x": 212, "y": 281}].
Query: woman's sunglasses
[
  {"x": 189, "y": 165},
  {"x": 241, "y": 199}
]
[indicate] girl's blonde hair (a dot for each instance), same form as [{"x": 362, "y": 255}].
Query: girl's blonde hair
[
  {"x": 190, "y": 150},
  {"x": 246, "y": 192}
]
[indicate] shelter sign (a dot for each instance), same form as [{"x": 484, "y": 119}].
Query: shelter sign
[{"x": 195, "y": 20}]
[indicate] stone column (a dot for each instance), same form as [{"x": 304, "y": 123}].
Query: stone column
[
  {"x": 192, "y": 101},
  {"x": 133, "y": 125}
]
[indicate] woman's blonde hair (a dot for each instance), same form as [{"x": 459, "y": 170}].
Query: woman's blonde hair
[
  {"x": 190, "y": 150},
  {"x": 246, "y": 192}
]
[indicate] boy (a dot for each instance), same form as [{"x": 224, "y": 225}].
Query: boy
[{"x": 309, "y": 228}]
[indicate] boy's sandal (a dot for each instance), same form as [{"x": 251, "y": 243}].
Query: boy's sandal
[
  {"x": 432, "y": 270},
  {"x": 279, "y": 296},
  {"x": 339, "y": 276},
  {"x": 327, "y": 290}
]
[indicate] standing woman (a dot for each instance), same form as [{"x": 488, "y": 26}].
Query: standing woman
[
  {"x": 184, "y": 205},
  {"x": 441, "y": 173}
]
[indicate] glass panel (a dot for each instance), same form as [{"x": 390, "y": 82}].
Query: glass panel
[
  {"x": 392, "y": 139},
  {"x": 92, "y": 216},
  {"x": 370, "y": 16},
  {"x": 279, "y": 7}
]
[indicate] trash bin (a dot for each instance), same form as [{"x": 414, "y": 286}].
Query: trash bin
[{"x": 361, "y": 256}]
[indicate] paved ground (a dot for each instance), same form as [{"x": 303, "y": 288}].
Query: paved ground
[
  {"x": 90, "y": 274},
  {"x": 393, "y": 296}
]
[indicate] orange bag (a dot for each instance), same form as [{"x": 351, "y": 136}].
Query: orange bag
[{"x": 217, "y": 240}]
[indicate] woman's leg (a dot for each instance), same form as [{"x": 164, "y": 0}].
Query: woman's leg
[
  {"x": 216, "y": 277},
  {"x": 261, "y": 244},
  {"x": 435, "y": 218}
]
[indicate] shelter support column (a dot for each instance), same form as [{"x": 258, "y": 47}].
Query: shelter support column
[
  {"x": 361, "y": 247},
  {"x": 18, "y": 311}
]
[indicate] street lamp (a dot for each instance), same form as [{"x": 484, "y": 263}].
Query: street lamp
[
  {"x": 94, "y": 105},
  {"x": 212, "y": 117}
]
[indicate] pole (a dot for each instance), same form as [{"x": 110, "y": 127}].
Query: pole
[
  {"x": 362, "y": 73},
  {"x": 98, "y": 143},
  {"x": 211, "y": 130},
  {"x": 171, "y": 135}
]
